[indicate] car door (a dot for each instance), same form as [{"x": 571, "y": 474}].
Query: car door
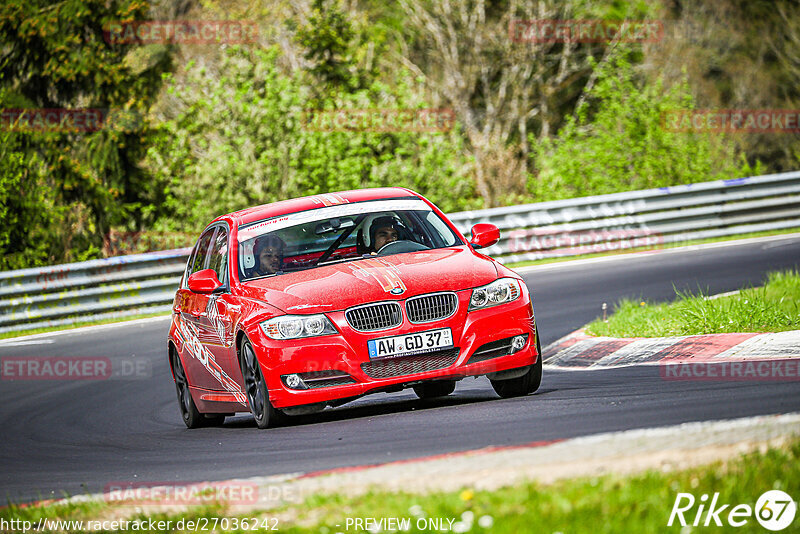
[
  {"x": 218, "y": 322},
  {"x": 195, "y": 328}
]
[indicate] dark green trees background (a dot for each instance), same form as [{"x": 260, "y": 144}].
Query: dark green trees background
[{"x": 202, "y": 129}]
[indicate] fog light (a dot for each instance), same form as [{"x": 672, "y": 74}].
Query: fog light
[
  {"x": 293, "y": 381},
  {"x": 517, "y": 343}
]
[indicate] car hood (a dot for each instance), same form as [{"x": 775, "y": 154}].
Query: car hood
[{"x": 341, "y": 285}]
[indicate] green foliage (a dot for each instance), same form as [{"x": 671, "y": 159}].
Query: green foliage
[
  {"x": 772, "y": 308},
  {"x": 25, "y": 209},
  {"x": 334, "y": 46},
  {"x": 616, "y": 141},
  {"x": 236, "y": 135},
  {"x": 241, "y": 138},
  {"x": 55, "y": 52},
  {"x": 67, "y": 187},
  {"x": 739, "y": 54}
]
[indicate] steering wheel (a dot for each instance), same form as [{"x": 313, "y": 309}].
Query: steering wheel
[{"x": 398, "y": 247}]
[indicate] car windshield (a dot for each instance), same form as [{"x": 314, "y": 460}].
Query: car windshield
[{"x": 345, "y": 232}]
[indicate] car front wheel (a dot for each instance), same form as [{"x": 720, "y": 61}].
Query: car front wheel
[
  {"x": 525, "y": 384},
  {"x": 255, "y": 387}
]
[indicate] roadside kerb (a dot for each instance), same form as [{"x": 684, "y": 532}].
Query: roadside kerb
[{"x": 580, "y": 351}]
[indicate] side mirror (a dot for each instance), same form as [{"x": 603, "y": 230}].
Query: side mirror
[
  {"x": 204, "y": 281},
  {"x": 484, "y": 235}
]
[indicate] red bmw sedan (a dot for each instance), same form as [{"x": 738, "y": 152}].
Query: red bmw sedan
[{"x": 298, "y": 305}]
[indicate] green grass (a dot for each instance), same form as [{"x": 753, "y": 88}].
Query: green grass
[
  {"x": 665, "y": 246},
  {"x": 605, "y": 504},
  {"x": 772, "y": 308},
  {"x": 611, "y": 504},
  {"x": 69, "y": 511},
  {"x": 94, "y": 511}
]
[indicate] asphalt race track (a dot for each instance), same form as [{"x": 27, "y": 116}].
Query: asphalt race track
[{"x": 79, "y": 436}]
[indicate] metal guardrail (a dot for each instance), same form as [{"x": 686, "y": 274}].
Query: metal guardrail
[
  {"x": 651, "y": 217},
  {"x": 91, "y": 290},
  {"x": 146, "y": 283}
]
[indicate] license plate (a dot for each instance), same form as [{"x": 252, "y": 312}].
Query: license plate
[{"x": 408, "y": 344}]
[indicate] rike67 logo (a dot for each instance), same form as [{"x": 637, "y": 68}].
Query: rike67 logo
[{"x": 774, "y": 510}]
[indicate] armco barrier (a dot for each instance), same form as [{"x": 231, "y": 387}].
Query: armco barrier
[
  {"x": 144, "y": 283},
  {"x": 90, "y": 290},
  {"x": 641, "y": 218}
]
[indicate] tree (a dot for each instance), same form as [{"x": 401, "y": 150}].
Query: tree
[
  {"x": 617, "y": 141},
  {"x": 241, "y": 135},
  {"x": 737, "y": 54},
  {"x": 55, "y": 56},
  {"x": 332, "y": 46},
  {"x": 502, "y": 90}
]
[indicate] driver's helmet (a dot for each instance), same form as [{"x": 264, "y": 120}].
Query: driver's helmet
[{"x": 383, "y": 220}]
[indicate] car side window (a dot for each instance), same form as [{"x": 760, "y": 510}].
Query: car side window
[
  {"x": 198, "y": 261},
  {"x": 218, "y": 253}
]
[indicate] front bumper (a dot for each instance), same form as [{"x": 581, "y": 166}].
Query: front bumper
[{"x": 339, "y": 367}]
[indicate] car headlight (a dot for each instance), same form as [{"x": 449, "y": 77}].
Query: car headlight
[
  {"x": 498, "y": 292},
  {"x": 297, "y": 326}
]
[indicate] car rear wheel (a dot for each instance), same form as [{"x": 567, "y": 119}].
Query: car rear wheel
[
  {"x": 525, "y": 384},
  {"x": 189, "y": 412},
  {"x": 430, "y": 390},
  {"x": 256, "y": 387}
]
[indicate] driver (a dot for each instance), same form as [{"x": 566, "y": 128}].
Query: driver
[
  {"x": 384, "y": 230},
  {"x": 268, "y": 251}
]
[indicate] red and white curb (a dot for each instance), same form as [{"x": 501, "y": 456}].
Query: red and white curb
[{"x": 581, "y": 351}]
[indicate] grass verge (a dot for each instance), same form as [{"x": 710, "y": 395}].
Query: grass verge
[
  {"x": 772, "y": 308},
  {"x": 609, "y": 503}
]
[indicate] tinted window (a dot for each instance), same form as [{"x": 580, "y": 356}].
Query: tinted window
[
  {"x": 348, "y": 232},
  {"x": 198, "y": 260},
  {"x": 218, "y": 254}
]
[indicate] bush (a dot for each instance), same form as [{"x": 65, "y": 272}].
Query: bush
[
  {"x": 616, "y": 142},
  {"x": 238, "y": 139}
]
